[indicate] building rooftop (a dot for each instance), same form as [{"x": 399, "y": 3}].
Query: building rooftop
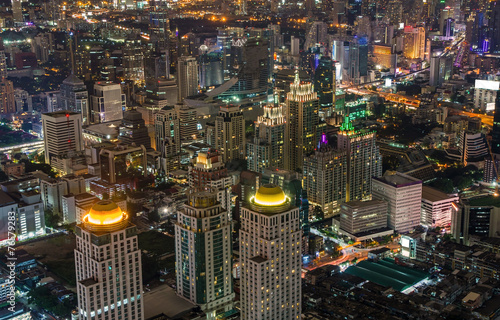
[
  {"x": 398, "y": 180},
  {"x": 106, "y": 128},
  {"x": 364, "y": 204},
  {"x": 433, "y": 195},
  {"x": 5, "y": 199},
  {"x": 485, "y": 201},
  {"x": 60, "y": 114}
]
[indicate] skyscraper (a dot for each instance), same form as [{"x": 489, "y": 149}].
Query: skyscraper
[
  {"x": 404, "y": 195},
  {"x": 267, "y": 148},
  {"x": 62, "y": 134},
  {"x": 325, "y": 176},
  {"x": 363, "y": 160},
  {"x": 108, "y": 265},
  {"x": 75, "y": 97},
  {"x": 187, "y": 77},
  {"x": 414, "y": 42},
  {"x": 108, "y": 102},
  {"x": 302, "y": 112},
  {"x": 324, "y": 85},
  {"x": 17, "y": 12},
  {"x": 133, "y": 130},
  {"x": 168, "y": 141},
  {"x": 208, "y": 171},
  {"x": 204, "y": 253},
  {"x": 440, "y": 70},
  {"x": 270, "y": 252},
  {"x": 495, "y": 133},
  {"x": 230, "y": 133}
]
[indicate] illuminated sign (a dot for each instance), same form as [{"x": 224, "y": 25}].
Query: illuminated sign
[
  {"x": 490, "y": 106},
  {"x": 238, "y": 42},
  {"x": 488, "y": 85},
  {"x": 388, "y": 82}
]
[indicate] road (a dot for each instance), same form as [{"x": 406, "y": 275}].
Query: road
[{"x": 485, "y": 119}]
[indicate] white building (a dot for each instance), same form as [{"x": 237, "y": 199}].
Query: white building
[
  {"x": 404, "y": 195},
  {"x": 53, "y": 190},
  {"x": 62, "y": 134},
  {"x": 203, "y": 247},
  {"x": 357, "y": 217},
  {"x": 485, "y": 94},
  {"x": 108, "y": 265},
  {"x": 436, "y": 208},
  {"x": 71, "y": 204},
  {"x": 107, "y": 102},
  {"x": 270, "y": 256}
]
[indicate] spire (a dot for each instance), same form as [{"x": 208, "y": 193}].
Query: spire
[
  {"x": 297, "y": 78},
  {"x": 347, "y": 125},
  {"x": 323, "y": 141}
]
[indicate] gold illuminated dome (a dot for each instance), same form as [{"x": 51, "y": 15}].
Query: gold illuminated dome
[
  {"x": 104, "y": 213},
  {"x": 270, "y": 195}
]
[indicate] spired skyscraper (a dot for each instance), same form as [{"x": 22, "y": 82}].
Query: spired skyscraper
[
  {"x": 302, "y": 112},
  {"x": 108, "y": 265},
  {"x": 203, "y": 250},
  {"x": 268, "y": 145},
  {"x": 270, "y": 252}
]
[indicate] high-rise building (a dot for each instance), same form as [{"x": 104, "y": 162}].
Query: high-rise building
[
  {"x": 211, "y": 68},
  {"x": 7, "y": 98},
  {"x": 436, "y": 208},
  {"x": 270, "y": 256},
  {"x": 17, "y": 12},
  {"x": 302, "y": 112},
  {"x": 414, "y": 42},
  {"x": 122, "y": 163},
  {"x": 133, "y": 59},
  {"x": 187, "y": 77},
  {"x": 404, "y": 195},
  {"x": 207, "y": 171},
  {"x": 267, "y": 148},
  {"x": 495, "y": 132},
  {"x": 317, "y": 33},
  {"x": 75, "y": 97},
  {"x": 358, "y": 217},
  {"x": 440, "y": 70},
  {"x": 324, "y": 85},
  {"x": 188, "y": 122},
  {"x": 159, "y": 94},
  {"x": 325, "y": 176},
  {"x": 472, "y": 147},
  {"x": 485, "y": 94},
  {"x": 203, "y": 235},
  {"x": 168, "y": 140},
  {"x": 357, "y": 66},
  {"x": 133, "y": 130},
  {"x": 363, "y": 160},
  {"x": 107, "y": 102},
  {"x": 62, "y": 134},
  {"x": 230, "y": 133},
  {"x": 108, "y": 265}
]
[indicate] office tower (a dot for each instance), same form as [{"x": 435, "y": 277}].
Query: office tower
[
  {"x": 363, "y": 160},
  {"x": 7, "y": 99},
  {"x": 122, "y": 164},
  {"x": 187, "y": 77},
  {"x": 3, "y": 62},
  {"x": 436, "y": 208},
  {"x": 188, "y": 122},
  {"x": 475, "y": 218},
  {"x": 294, "y": 46},
  {"x": 494, "y": 27},
  {"x": 159, "y": 94},
  {"x": 472, "y": 147},
  {"x": 357, "y": 67},
  {"x": 495, "y": 132},
  {"x": 133, "y": 59},
  {"x": 414, "y": 42},
  {"x": 363, "y": 217},
  {"x": 168, "y": 140},
  {"x": 440, "y": 70},
  {"x": 75, "y": 97},
  {"x": 394, "y": 12},
  {"x": 17, "y": 12},
  {"x": 23, "y": 101},
  {"x": 302, "y": 112},
  {"x": 270, "y": 255},
  {"x": 159, "y": 26},
  {"x": 404, "y": 195},
  {"x": 62, "y": 134},
  {"x": 324, "y": 176},
  {"x": 108, "y": 265},
  {"x": 324, "y": 85},
  {"x": 283, "y": 79},
  {"x": 107, "y": 102},
  {"x": 211, "y": 68},
  {"x": 267, "y": 148},
  {"x": 317, "y": 33},
  {"x": 207, "y": 171},
  {"x": 133, "y": 130},
  {"x": 250, "y": 69},
  {"x": 230, "y": 133},
  {"x": 204, "y": 253}
]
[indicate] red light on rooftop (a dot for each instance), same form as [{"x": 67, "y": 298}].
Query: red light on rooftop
[{"x": 67, "y": 115}]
